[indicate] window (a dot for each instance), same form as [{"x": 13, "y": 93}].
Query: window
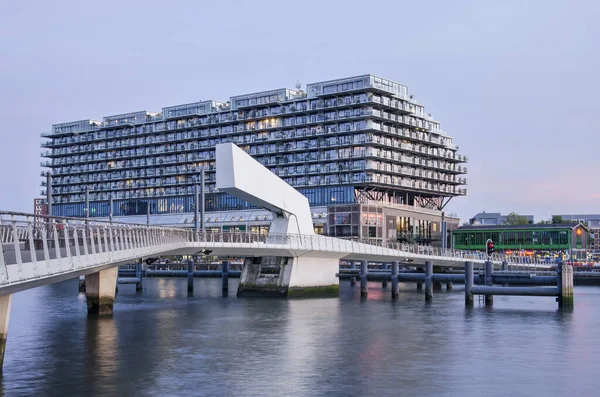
[{"x": 342, "y": 219}]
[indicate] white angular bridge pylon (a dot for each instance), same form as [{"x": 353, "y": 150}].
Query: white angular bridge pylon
[
  {"x": 242, "y": 176},
  {"x": 312, "y": 273}
]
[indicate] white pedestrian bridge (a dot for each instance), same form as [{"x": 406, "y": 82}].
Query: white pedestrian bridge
[
  {"x": 40, "y": 250},
  {"x": 290, "y": 259}
]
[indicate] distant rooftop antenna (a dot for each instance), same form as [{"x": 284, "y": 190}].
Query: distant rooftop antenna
[{"x": 298, "y": 85}]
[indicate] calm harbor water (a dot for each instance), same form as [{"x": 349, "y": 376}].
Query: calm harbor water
[{"x": 163, "y": 343}]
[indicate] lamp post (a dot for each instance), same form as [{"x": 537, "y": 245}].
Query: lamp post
[
  {"x": 571, "y": 248},
  {"x": 571, "y": 251}
]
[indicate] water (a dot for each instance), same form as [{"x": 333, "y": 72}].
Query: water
[{"x": 163, "y": 343}]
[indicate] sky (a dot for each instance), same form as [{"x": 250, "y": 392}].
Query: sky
[{"x": 515, "y": 83}]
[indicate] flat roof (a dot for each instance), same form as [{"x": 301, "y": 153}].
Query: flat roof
[{"x": 523, "y": 227}]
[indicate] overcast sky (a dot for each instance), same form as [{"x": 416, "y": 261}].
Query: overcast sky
[{"x": 515, "y": 83}]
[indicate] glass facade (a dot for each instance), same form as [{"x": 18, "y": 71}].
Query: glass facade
[
  {"x": 337, "y": 142},
  {"x": 550, "y": 238}
]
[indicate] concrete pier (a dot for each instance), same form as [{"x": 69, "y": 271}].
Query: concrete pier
[
  {"x": 100, "y": 290},
  {"x": 353, "y": 278},
  {"x": 419, "y": 286},
  {"x": 363, "y": 279},
  {"x": 139, "y": 274},
  {"x": 468, "y": 283},
  {"x": 395, "y": 288},
  {"x": 289, "y": 277},
  {"x": 428, "y": 281},
  {"x": 489, "y": 281},
  {"x": 4, "y": 318},
  {"x": 564, "y": 275},
  {"x": 225, "y": 278},
  {"x": 449, "y": 286},
  {"x": 190, "y": 275}
]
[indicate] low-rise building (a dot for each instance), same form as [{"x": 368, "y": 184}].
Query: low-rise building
[
  {"x": 594, "y": 227},
  {"x": 579, "y": 218},
  {"x": 40, "y": 206},
  {"x": 493, "y": 218},
  {"x": 539, "y": 240}
]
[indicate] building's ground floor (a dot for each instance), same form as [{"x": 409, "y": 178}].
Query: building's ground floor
[{"x": 376, "y": 222}]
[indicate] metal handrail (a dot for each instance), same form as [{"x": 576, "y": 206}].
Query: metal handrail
[
  {"x": 68, "y": 218},
  {"x": 209, "y": 236},
  {"x": 66, "y": 243}
]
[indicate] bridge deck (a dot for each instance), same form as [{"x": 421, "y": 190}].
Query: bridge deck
[{"x": 43, "y": 250}]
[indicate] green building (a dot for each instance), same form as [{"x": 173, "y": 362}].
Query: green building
[{"x": 539, "y": 240}]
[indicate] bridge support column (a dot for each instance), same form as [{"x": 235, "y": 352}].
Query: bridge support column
[
  {"x": 4, "y": 317},
  {"x": 190, "y": 275},
  {"x": 364, "y": 291},
  {"x": 564, "y": 275},
  {"x": 468, "y": 283},
  {"x": 419, "y": 286},
  {"x": 384, "y": 283},
  {"x": 489, "y": 269},
  {"x": 100, "y": 290},
  {"x": 225, "y": 278},
  {"x": 504, "y": 268},
  {"x": 353, "y": 278},
  {"x": 395, "y": 289},
  {"x": 314, "y": 277},
  {"x": 428, "y": 281},
  {"x": 139, "y": 273},
  {"x": 289, "y": 277},
  {"x": 449, "y": 286}
]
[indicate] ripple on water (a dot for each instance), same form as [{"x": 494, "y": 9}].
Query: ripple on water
[{"x": 163, "y": 342}]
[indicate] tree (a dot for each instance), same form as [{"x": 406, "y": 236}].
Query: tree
[
  {"x": 515, "y": 219},
  {"x": 557, "y": 219}
]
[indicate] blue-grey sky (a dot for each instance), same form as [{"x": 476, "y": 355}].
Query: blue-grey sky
[{"x": 515, "y": 83}]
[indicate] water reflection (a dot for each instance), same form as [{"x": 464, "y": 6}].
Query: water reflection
[
  {"x": 101, "y": 354},
  {"x": 160, "y": 342},
  {"x": 309, "y": 345}
]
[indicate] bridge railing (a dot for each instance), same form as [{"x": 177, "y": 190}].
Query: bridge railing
[
  {"x": 226, "y": 237},
  {"x": 57, "y": 245},
  {"x": 41, "y": 239},
  {"x": 319, "y": 242}
]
